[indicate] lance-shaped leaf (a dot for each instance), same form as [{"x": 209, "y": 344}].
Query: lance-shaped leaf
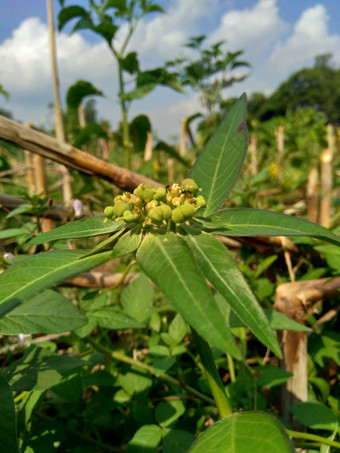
[
  {"x": 49, "y": 312},
  {"x": 220, "y": 269},
  {"x": 8, "y": 422},
  {"x": 168, "y": 262},
  {"x": 219, "y": 164},
  {"x": 84, "y": 228},
  {"x": 245, "y": 432},
  {"x": 41, "y": 271},
  {"x": 259, "y": 222}
]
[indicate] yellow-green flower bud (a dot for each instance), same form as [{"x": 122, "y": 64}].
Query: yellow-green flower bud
[
  {"x": 188, "y": 210},
  {"x": 177, "y": 215},
  {"x": 148, "y": 194},
  {"x": 160, "y": 193},
  {"x": 190, "y": 185},
  {"x": 156, "y": 215},
  {"x": 120, "y": 207},
  {"x": 109, "y": 212},
  {"x": 166, "y": 210},
  {"x": 201, "y": 203},
  {"x": 128, "y": 216},
  {"x": 139, "y": 190}
]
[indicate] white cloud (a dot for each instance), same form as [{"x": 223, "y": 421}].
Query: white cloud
[
  {"x": 273, "y": 47},
  {"x": 310, "y": 38}
]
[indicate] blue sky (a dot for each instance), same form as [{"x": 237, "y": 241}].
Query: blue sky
[{"x": 278, "y": 37}]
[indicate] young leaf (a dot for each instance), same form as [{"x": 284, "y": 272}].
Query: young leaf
[
  {"x": 259, "y": 222},
  {"x": 39, "y": 369},
  {"x": 84, "y": 228},
  {"x": 315, "y": 415},
  {"x": 41, "y": 271},
  {"x": 168, "y": 262},
  {"x": 113, "y": 318},
  {"x": 219, "y": 164},
  {"x": 69, "y": 13},
  {"x": 8, "y": 422},
  {"x": 220, "y": 269},
  {"x": 253, "y": 432},
  {"x": 137, "y": 299},
  {"x": 147, "y": 439},
  {"x": 49, "y": 312},
  {"x": 128, "y": 243}
]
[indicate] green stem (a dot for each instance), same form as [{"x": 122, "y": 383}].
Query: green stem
[
  {"x": 143, "y": 366},
  {"x": 231, "y": 367},
  {"x": 214, "y": 380},
  {"x": 315, "y": 437}
]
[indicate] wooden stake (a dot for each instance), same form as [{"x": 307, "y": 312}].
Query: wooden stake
[
  {"x": 280, "y": 137},
  {"x": 183, "y": 138},
  {"x": 30, "y": 171},
  {"x": 312, "y": 195},
  {"x": 148, "y": 147},
  {"x": 58, "y": 116},
  {"x": 253, "y": 154},
  {"x": 327, "y": 178}
]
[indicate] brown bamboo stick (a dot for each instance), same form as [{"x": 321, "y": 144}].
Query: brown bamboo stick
[
  {"x": 183, "y": 137},
  {"x": 58, "y": 116},
  {"x": 312, "y": 195},
  {"x": 327, "y": 178},
  {"x": 148, "y": 147},
  {"x": 47, "y": 146},
  {"x": 294, "y": 299},
  {"x": 253, "y": 154},
  {"x": 280, "y": 138}
]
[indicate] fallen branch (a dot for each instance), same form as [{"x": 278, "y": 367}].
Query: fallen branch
[{"x": 47, "y": 146}]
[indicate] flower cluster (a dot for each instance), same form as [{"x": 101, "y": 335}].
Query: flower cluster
[{"x": 147, "y": 205}]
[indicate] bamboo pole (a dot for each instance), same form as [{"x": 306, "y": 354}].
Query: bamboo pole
[
  {"x": 280, "y": 138},
  {"x": 47, "y": 146},
  {"x": 183, "y": 139},
  {"x": 327, "y": 178},
  {"x": 30, "y": 171},
  {"x": 58, "y": 116},
  {"x": 148, "y": 147},
  {"x": 253, "y": 154},
  {"x": 294, "y": 299},
  {"x": 312, "y": 195}
]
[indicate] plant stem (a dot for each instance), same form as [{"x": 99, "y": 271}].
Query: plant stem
[
  {"x": 231, "y": 367},
  {"x": 143, "y": 366},
  {"x": 214, "y": 380},
  {"x": 315, "y": 437}
]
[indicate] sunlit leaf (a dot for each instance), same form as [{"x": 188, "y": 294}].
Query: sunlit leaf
[{"x": 219, "y": 164}]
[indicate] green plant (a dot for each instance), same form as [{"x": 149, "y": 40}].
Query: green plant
[
  {"x": 106, "y": 18},
  {"x": 179, "y": 254}
]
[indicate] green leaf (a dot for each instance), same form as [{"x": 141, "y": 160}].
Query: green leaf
[
  {"x": 176, "y": 440},
  {"x": 135, "y": 383},
  {"x": 69, "y": 13},
  {"x": 38, "y": 272},
  {"x": 130, "y": 63},
  {"x": 246, "y": 432},
  {"x": 168, "y": 262},
  {"x": 271, "y": 376},
  {"x": 145, "y": 440},
  {"x": 78, "y": 91},
  {"x": 178, "y": 328},
  {"x": 219, "y": 164},
  {"x": 137, "y": 299},
  {"x": 49, "y": 312},
  {"x": 219, "y": 267},
  {"x": 259, "y": 222},
  {"x": 128, "y": 243},
  {"x": 168, "y": 411},
  {"x": 13, "y": 232},
  {"x": 113, "y": 318},
  {"x": 107, "y": 31},
  {"x": 39, "y": 369},
  {"x": 315, "y": 415},
  {"x": 84, "y": 228},
  {"x": 8, "y": 422}
]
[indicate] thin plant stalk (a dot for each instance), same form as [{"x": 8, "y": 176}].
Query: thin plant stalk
[{"x": 214, "y": 379}]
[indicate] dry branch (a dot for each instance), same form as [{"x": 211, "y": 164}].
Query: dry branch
[{"x": 47, "y": 146}]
